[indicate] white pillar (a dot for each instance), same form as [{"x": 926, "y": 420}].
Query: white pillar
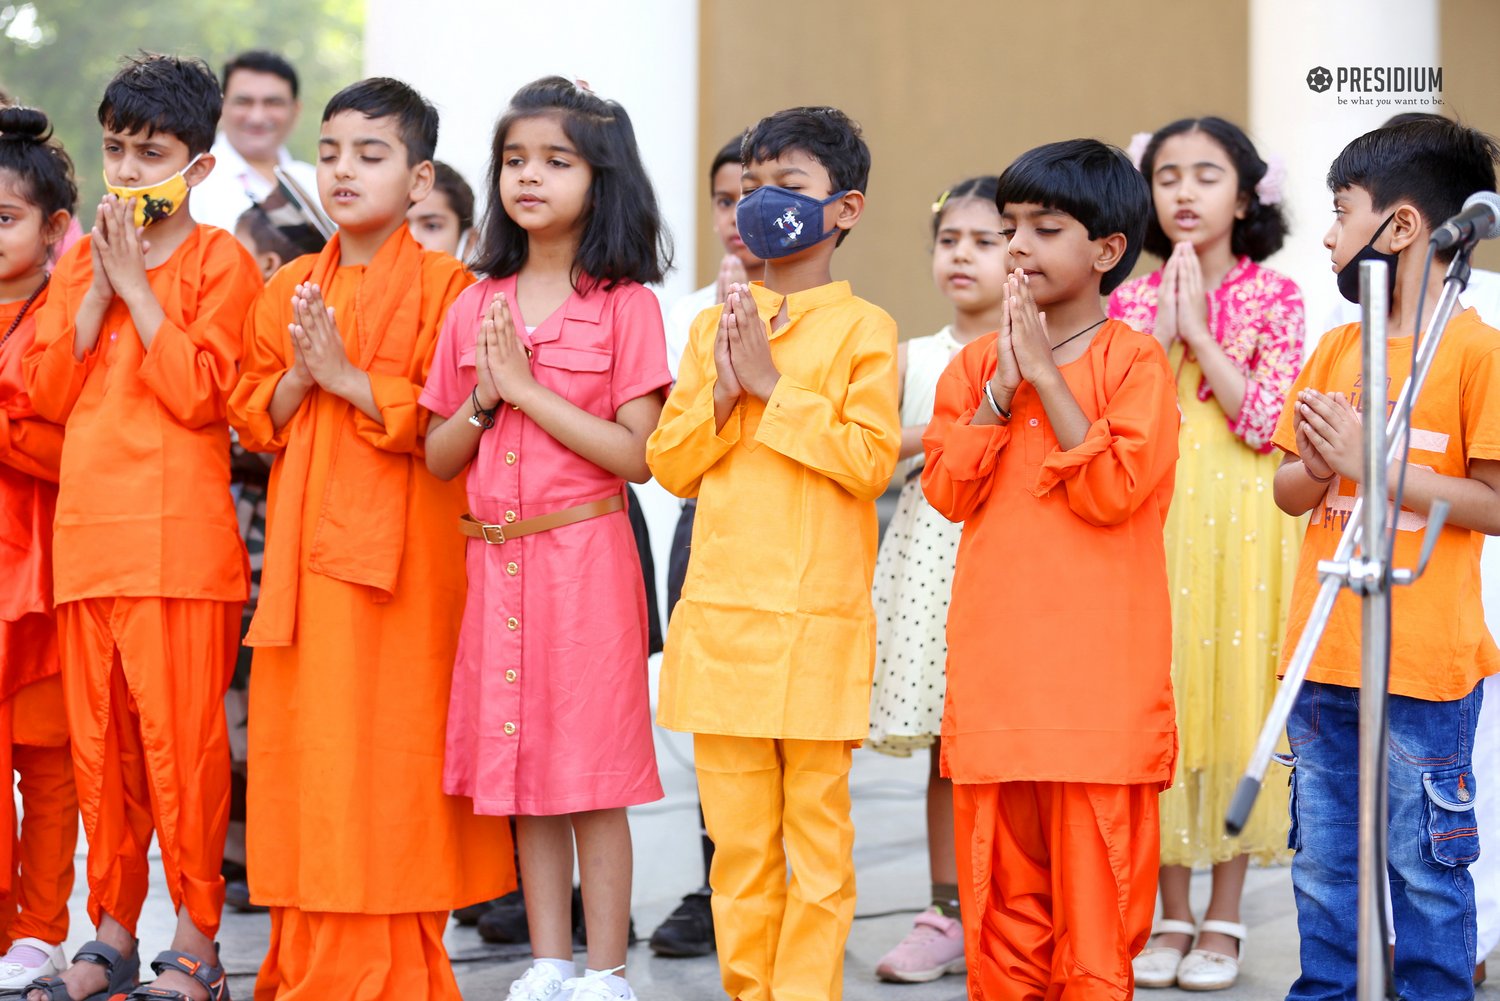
[
  {"x": 1288, "y": 38},
  {"x": 469, "y": 58}
]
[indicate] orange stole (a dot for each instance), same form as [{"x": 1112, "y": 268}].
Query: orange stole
[{"x": 345, "y": 769}]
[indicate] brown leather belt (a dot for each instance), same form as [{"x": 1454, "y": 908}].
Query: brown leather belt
[{"x": 498, "y": 535}]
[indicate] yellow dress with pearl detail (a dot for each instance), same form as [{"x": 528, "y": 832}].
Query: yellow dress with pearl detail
[{"x": 1231, "y": 558}]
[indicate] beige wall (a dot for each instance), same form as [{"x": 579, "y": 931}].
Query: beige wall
[
  {"x": 950, "y": 88},
  {"x": 1471, "y": 77},
  {"x": 945, "y": 89}
]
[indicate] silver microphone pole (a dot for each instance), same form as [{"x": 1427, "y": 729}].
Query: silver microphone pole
[{"x": 1368, "y": 575}]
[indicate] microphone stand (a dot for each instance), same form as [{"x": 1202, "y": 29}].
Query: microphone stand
[{"x": 1368, "y": 575}]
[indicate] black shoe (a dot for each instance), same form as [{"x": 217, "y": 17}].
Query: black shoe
[
  {"x": 505, "y": 921},
  {"x": 237, "y": 896},
  {"x": 687, "y": 931},
  {"x": 469, "y": 916},
  {"x": 580, "y": 930}
]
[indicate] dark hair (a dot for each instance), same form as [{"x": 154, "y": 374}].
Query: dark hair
[
  {"x": 1094, "y": 183},
  {"x": 384, "y": 97},
  {"x": 982, "y": 188},
  {"x": 1434, "y": 163},
  {"x": 623, "y": 238},
  {"x": 260, "y": 61},
  {"x": 826, "y": 134},
  {"x": 728, "y": 153},
  {"x": 460, "y": 196},
  {"x": 267, "y": 237},
  {"x": 169, "y": 94},
  {"x": 1263, "y": 230},
  {"x": 38, "y": 162}
]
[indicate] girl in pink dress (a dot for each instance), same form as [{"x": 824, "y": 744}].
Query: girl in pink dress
[{"x": 548, "y": 375}]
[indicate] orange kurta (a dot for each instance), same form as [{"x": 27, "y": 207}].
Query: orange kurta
[
  {"x": 1058, "y": 728},
  {"x": 355, "y": 632},
  {"x": 149, "y": 570},
  {"x": 1059, "y": 634},
  {"x": 36, "y": 880}
]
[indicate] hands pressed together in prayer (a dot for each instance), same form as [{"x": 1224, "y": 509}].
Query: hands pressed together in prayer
[
  {"x": 742, "y": 351},
  {"x": 1181, "y": 304},
  {"x": 1330, "y": 436},
  {"x": 502, "y": 361}
]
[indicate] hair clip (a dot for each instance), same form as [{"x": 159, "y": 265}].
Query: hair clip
[
  {"x": 937, "y": 206},
  {"x": 1137, "y": 148},
  {"x": 1271, "y": 188}
]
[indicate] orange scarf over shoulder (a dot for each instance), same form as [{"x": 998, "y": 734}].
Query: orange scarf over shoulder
[{"x": 361, "y": 519}]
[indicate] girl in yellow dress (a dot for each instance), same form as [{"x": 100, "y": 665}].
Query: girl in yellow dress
[{"x": 1233, "y": 331}]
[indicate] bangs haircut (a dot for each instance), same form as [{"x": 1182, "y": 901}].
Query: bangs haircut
[
  {"x": 728, "y": 153},
  {"x": 1091, "y": 181},
  {"x": 385, "y": 97},
  {"x": 981, "y": 188},
  {"x": 1433, "y": 163},
  {"x": 460, "y": 196},
  {"x": 37, "y": 162},
  {"x": 168, "y": 94},
  {"x": 1263, "y": 230},
  {"x": 623, "y": 238},
  {"x": 261, "y": 61},
  {"x": 826, "y": 134}
]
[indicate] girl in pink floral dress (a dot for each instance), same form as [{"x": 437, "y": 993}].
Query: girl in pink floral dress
[{"x": 1233, "y": 331}]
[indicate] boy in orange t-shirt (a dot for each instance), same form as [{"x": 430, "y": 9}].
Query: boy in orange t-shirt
[
  {"x": 1054, "y": 442},
  {"x": 1391, "y": 188},
  {"x": 135, "y": 352}
]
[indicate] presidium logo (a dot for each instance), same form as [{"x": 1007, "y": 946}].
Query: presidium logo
[{"x": 1380, "y": 86}]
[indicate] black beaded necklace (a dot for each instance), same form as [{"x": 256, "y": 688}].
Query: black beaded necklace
[
  {"x": 24, "y": 307},
  {"x": 1080, "y": 333}
]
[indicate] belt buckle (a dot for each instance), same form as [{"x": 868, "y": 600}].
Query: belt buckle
[{"x": 494, "y": 535}]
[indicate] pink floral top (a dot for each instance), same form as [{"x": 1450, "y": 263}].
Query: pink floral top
[{"x": 1256, "y": 316}]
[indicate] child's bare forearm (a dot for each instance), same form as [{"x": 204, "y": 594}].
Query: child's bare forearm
[
  {"x": 1295, "y": 489},
  {"x": 1474, "y": 504}
]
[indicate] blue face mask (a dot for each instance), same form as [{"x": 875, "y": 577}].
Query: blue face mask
[{"x": 775, "y": 222}]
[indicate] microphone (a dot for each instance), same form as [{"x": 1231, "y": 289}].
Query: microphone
[{"x": 1479, "y": 220}]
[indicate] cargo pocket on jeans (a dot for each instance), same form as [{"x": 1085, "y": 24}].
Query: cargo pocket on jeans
[
  {"x": 1451, "y": 836},
  {"x": 1293, "y": 831}
]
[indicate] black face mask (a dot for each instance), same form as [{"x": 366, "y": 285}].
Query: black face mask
[{"x": 1349, "y": 274}]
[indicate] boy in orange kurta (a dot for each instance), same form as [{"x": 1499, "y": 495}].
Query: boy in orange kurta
[
  {"x": 351, "y": 841},
  {"x": 1054, "y": 442},
  {"x": 135, "y": 352},
  {"x": 38, "y": 197}
]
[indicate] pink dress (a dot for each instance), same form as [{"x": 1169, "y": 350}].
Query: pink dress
[{"x": 550, "y": 710}]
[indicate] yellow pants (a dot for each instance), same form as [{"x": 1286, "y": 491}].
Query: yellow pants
[{"x": 768, "y": 803}]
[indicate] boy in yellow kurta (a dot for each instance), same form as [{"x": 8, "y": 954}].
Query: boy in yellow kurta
[{"x": 784, "y": 424}]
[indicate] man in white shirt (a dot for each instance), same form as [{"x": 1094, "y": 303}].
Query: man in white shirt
[{"x": 260, "y": 111}]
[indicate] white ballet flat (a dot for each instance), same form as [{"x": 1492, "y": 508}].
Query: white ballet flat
[
  {"x": 1157, "y": 967},
  {"x": 1201, "y": 970},
  {"x": 14, "y": 976}
]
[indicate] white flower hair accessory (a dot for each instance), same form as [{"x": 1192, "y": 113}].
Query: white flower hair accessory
[
  {"x": 1137, "y": 148},
  {"x": 1271, "y": 189}
]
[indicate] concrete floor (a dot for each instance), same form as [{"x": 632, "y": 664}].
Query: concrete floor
[{"x": 891, "y": 854}]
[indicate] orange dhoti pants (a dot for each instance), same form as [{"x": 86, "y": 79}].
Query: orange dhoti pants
[
  {"x": 144, "y": 680},
  {"x": 36, "y": 872},
  {"x": 356, "y": 957},
  {"x": 1057, "y": 885},
  {"x": 768, "y": 803}
]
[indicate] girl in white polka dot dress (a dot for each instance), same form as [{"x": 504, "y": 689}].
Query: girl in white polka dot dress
[{"x": 914, "y": 571}]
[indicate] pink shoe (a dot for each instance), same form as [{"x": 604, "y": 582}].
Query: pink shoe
[{"x": 933, "y": 948}]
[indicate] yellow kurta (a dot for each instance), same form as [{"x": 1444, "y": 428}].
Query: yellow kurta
[{"x": 775, "y": 634}]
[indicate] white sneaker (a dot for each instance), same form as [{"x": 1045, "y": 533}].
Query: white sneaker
[
  {"x": 1201, "y": 970},
  {"x": 16, "y": 970},
  {"x": 540, "y": 983},
  {"x": 592, "y": 987},
  {"x": 1157, "y": 967}
]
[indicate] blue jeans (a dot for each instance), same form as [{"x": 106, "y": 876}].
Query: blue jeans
[{"x": 1433, "y": 838}]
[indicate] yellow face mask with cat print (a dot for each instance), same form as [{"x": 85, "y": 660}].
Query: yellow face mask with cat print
[{"x": 156, "y": 202}]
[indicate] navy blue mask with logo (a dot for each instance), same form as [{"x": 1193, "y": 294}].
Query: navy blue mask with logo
[
  {"x": 1349, "y": 274},
  {"x": 775, "y": 222}
]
